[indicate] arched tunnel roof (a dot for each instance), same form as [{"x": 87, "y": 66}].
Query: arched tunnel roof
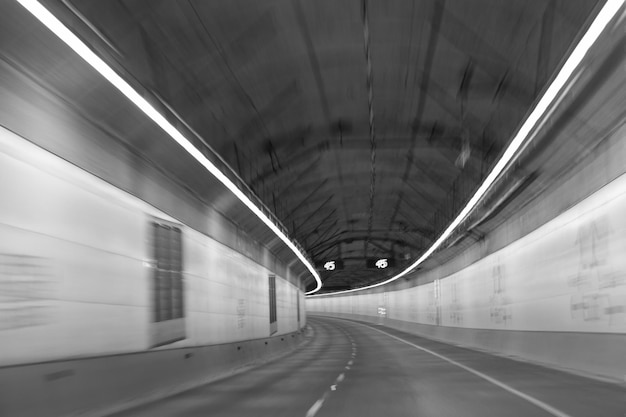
[{"x": 362, "y": 125}]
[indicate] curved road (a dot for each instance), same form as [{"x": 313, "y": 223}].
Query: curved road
[{"x": 349, "y": 368}]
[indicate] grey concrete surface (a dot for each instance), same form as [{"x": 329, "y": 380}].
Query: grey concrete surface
[
  {"x": 597, "y": 355},
  {"x": 351, "y": 368},
  {"x": 102, "y": 385},
  {"x": 285, "y": 387}
]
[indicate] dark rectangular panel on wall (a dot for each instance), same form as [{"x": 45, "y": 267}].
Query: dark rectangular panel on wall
[
  {"x": 272, "y": 303},
  {"x": 298, "y": 307},
  {"x": 167, "y": 277}
]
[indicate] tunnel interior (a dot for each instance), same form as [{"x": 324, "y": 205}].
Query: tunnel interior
[{"x": 314, "y": 208}]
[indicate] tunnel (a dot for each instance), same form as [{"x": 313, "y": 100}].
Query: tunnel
[{"x": 312, "y": 208}]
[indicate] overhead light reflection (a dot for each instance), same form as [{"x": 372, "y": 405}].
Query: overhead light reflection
[
  {"x": 60, "y": 30},
  {"x": 523, "y": 136}
]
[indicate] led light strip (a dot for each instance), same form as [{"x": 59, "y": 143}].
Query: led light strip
[
  {"x": 60, "y": 30},
  {"x": 522, "y": 138}
]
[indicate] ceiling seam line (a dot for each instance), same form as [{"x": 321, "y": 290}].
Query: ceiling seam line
[
  {"x": 370, "y": 103},
  {"x": 222, "y": 55},
  {"x": 321, "y": 88}
]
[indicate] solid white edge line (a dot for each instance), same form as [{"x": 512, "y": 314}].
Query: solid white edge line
[
  {"x": 67, "y": 36},
  {"x": 530, "y": 399},
  {"x": 521, "y": 138}
]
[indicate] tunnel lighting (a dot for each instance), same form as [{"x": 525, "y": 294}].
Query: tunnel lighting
[
  {"x": 60, "y": 30},
  {"x": 522, "y": 137}
]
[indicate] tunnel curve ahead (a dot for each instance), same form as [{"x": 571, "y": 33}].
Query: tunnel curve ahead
[
  {"x": 287, "y": 386},
  {"x": 351, "y": 368}
]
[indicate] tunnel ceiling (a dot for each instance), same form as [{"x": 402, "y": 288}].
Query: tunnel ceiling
[{"x": 363, "y": 125}]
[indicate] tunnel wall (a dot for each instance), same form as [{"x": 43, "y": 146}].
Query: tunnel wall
[
  {"x": 556, "y": 295},
  {"x": 95, "y": 314}
]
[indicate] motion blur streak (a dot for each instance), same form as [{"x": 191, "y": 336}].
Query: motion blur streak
[
  {"x": 52, "y": 23},
  {"x": 523, "y": 137}
]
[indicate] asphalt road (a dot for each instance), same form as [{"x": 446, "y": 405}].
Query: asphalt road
[{"x": 355, "y": 369}]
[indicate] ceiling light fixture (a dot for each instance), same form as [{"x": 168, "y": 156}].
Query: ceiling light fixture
[
  {"x": 61, "y": 31},
  {"x": 523, "y": 136}
]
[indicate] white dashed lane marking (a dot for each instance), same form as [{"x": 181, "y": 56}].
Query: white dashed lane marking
[
  {"x": 318, "y": 404},
  {"x": 316, "y": 407}
]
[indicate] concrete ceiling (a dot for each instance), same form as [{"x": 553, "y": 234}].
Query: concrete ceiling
[{"x": 363, "y": 125}]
